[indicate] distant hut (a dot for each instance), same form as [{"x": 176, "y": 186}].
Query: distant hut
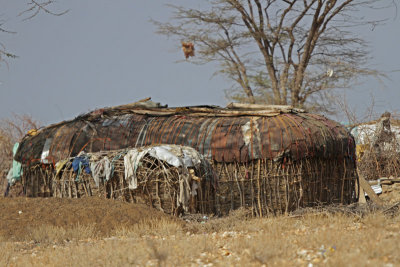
[
  {"x": 267, "y": 158},
  {"x": 378, "y": 147}
]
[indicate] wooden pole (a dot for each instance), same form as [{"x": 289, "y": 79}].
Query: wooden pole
[
  {"x": 367, "y": 188},
  {"x": 259, "y": 187}
]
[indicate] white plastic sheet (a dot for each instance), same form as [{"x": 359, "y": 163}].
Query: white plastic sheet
[{"x": 178, "y": 156}]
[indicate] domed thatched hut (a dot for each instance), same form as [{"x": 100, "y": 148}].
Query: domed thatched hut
[{"x": 269, "y": 158}]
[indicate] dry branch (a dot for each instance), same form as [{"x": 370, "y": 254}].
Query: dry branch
[{"x": 279, "y": 52}]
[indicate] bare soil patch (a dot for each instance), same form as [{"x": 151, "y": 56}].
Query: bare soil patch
[{"x": 19, "y": 215}]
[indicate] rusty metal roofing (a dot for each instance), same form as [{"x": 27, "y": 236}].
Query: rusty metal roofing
[{"x": 221, "y": 134}]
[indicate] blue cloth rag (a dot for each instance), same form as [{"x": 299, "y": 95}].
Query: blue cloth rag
[{"x": 80, "y": 162}]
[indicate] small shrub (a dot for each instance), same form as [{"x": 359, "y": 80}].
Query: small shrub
[
  {"x": 158, "y": 227},
  {"x": 49, "y": 234}
]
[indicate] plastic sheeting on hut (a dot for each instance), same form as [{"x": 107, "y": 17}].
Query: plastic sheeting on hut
[
  {"x": 383, "y": 134},
  {"x": 378, "y": 147},
  {"x": 174, "y": 179},
  {"x": 268, "y": 158}
]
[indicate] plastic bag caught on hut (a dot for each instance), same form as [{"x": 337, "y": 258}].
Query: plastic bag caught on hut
[
  {"x": 15, "y": 172},
  {"x": 101, "y": 170},
  {"x": 177, "y": 156}
]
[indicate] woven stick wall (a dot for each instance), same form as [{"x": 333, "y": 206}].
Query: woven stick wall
[
  {"x": 268, "y": 187},
  {"x": 158, "y": 185},
  {"x": 264, "y": 186}
]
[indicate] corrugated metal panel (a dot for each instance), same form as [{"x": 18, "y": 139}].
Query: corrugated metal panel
[{"x": 221, "y": 138}]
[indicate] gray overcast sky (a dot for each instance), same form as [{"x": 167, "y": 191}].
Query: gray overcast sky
[{"x": 105, "y": 53}]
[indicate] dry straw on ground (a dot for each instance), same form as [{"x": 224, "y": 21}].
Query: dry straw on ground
[{"x": 326, "y": 237}]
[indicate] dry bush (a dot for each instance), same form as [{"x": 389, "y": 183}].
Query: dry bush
[
  {"x": 376, "y": 157},
  {"x": 379, "y": 161},
  {"x": 373, "y": 164},
  {"x": 233, "y": 220},
  {"x": 49, "y": 234},
  {"x": 11, "y": 131},
  {"x": 154, "y": 227}
]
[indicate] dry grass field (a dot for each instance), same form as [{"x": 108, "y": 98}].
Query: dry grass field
[{"x": 99, "y": 232}]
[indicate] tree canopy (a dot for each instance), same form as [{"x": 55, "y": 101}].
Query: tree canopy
[{"x": 279, "y": 51}]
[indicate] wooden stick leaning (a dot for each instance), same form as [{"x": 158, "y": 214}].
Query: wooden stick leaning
[{"x": 370, "y": 192}]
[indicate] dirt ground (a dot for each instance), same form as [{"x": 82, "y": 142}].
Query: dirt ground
[
  {"x": 19, "y": 215},
  {"x": 391, "y": 193},
  {"x": 101, "y": 232}
]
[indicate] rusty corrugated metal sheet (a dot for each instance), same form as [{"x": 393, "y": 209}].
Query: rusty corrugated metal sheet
[{"x": 218, "y": 136}]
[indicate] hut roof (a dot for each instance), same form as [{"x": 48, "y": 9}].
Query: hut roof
[{"x": 239, "y": 133}]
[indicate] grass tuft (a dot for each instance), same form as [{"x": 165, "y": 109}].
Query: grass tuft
[{"x": 49, "y": 234}]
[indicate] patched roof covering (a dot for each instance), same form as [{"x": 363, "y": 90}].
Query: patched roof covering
[{"x": 238, "y": 133}]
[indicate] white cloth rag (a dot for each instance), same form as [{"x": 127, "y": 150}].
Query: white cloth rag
[{"x": 101, "y": 170}]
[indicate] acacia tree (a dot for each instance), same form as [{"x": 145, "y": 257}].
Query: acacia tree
[{"x": 279, "y": 51}]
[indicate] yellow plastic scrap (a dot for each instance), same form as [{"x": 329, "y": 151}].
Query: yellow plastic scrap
[
  {"x": 360, "y": 150},
  {"x": 32, "y": 132},
  {"x": 193, "y": 175},
  {"x": 60, "y": 165}
]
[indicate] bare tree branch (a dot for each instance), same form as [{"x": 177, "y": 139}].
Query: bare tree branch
[
  {"x": 12, "y": 130},
  {"x": 35, "y": 7},
  {"x": 302, "y": 48}
]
